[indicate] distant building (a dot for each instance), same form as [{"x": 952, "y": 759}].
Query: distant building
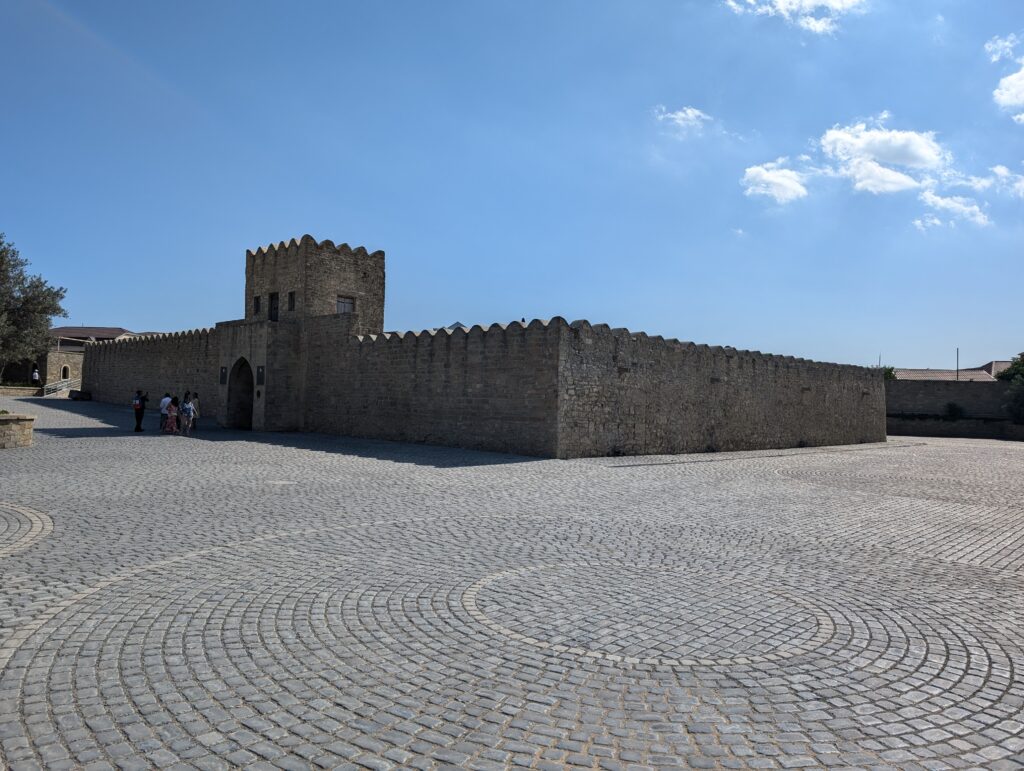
[
  {"x": 63, "y": 358},
  {"x": 986, "y": 373},
  {"x": 68, "y": 338}
]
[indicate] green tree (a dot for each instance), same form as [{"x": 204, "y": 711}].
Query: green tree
[
  {"x": 27, "y": 305},
  {"x": 1015, "y": 369},
  {"x": 1015, "y": 399}
]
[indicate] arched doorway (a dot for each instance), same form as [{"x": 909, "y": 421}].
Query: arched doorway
[
  {"x": 65, "y": 372},
  {"x": 240, "y": 388}
]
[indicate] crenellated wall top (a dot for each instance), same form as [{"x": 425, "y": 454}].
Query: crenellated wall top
[
  {"x": 585, "y": 326},
  {"x": 464, "y": 331},
  {"x": 157, "y": 336},
  {"x": 715, "y": 350},
  {"x": 307, "y": 241}
]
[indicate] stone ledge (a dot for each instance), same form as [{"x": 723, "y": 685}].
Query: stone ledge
[
  {"x": 16, "y": 431},
  {"x": 20, "y": 391}
]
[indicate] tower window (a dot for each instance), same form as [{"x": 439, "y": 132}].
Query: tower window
[
  {"x": 291, "y": 301},
  {"x": 346, "y": 305},
  {"x": 272, "y": 306},
  {"x": 256, "y": 305}
]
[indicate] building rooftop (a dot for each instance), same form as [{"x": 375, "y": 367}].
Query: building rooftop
[
  {"x": 91, "y": 333},
  {"x": 975, "y": 374},
  {"x": 995, "y": 367}
]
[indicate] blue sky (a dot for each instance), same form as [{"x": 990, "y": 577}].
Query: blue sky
[{"x": 835, "y": 179}]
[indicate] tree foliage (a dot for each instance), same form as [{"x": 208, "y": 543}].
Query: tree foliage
[
  {"x": 1016, "y": 368},
  {"x": 27, "y": 305},
  {"x": 1015, "y": 399}
]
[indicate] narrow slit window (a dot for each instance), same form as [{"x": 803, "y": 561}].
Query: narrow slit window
[
  {"x": 291, "y": 301},
  {"x": 346, "y": 305},
  {"x": 272, "y": 306},
  {"x": 256, "y": 305}
]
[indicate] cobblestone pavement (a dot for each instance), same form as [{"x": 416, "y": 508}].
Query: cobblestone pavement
[{"x": 300, "y": 601}]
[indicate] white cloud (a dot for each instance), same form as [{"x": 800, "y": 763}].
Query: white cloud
[
  {"x": 817, "y": 16},
  {"x": 866, "y": 155},
  {"x": 884, "y": 161},
  {"x": 685, "y": 122},
  {"x": 978, "y": 184},
  {"x": 959, "y": 208},
  {"x": 774, "y": 180},
  {"x": 951, "y": 177},
  {"x": 873, "y": 177},
  {"x": 1001, "y": 47},
  {"x": 913, "y": 149},
  {"x": 1010, "y": 93},
  {"x": 1009, "y": 182},
  {"x": 927, "y": 221},
  {"x": 819, "y": 26}
]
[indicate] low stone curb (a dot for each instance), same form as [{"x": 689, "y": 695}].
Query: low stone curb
[{"x": 16, "y": 431}]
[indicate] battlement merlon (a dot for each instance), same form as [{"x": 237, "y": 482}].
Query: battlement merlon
[{"x": 305, "y": 277}]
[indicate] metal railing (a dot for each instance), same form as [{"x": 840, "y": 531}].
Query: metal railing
[{"x": 61, "y": 385}]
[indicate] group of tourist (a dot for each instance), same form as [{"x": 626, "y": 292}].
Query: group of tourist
[{"x": 177, "y": 416}]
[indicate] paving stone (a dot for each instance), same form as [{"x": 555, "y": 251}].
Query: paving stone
[{"x": 299, "y": 601}]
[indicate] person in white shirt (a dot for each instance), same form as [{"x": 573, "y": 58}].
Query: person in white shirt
[{"x": 164, "y": 403}]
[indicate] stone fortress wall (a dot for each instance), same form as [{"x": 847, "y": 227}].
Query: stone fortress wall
[
  {"x": 547, "y": 388},
  {"x": 631, "y": 394},
  {"x": 920, "y": 408},
  {"x": 928, "y": 398},
  {"x": 315, "y": 274},
  {"x": 175, "y": 363},
  {"x": 490, "y": 389}
]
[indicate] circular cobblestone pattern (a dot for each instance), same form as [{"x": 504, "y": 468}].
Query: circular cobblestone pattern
[
  {"x": 300, "y": 602},
  {"x": 20, "y": 527},
  {"x": 650, "y": 614}
]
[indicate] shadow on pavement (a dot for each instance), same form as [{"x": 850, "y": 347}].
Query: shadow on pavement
[{"x": 120, "y": 422}]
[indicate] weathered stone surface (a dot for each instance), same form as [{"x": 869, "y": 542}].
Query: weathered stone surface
[
  {"x": 623, "y": 393},
  {"x": 308, "y": 601},
  {"x": 546, "y": 388},
  {"x": 53, "y": 365},
  {"x": 15, "y": 431},
  {"x": 921, "y": 408},
  {"x": 317, "y": 272},
  {"x": 183, "y": 361},
  {"x": 930, "y": 397},
  {"x": 20, "y": 391}
]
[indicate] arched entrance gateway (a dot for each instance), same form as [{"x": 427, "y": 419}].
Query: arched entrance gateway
[{"x": 240, "y": 393}]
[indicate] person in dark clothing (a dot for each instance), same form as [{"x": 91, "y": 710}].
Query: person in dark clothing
[{"x": 139, "y": 406}]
